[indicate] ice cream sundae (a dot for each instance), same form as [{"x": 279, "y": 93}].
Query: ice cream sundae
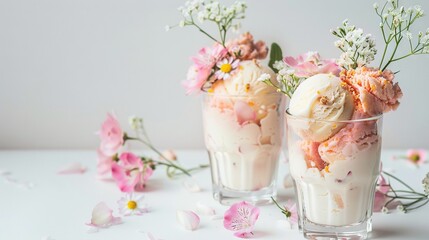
[
  {"x": 242, "y": 116},
  {"x": 334, "y": 123}
]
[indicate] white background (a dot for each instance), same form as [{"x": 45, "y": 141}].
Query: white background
[{"x": 65, "y": 63}]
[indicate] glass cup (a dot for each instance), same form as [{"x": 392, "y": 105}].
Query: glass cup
[
  {"x": 335, "y": 166},
  {"x": 243, "y": 136}
]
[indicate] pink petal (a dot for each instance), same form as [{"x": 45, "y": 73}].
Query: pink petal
[
  {"x": 102, "y": 216},
  {"x": 188, "y": 219},
  {"x": 243, "y": 234},
  {"x": 205, "y": 210},
  {"x": 244, "y": 112},
  {"x": 291, "y": 61},
  {"x": 73, "y": 168},
  {"x": 169, "y": 155}
]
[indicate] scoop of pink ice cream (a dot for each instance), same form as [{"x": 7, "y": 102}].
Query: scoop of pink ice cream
[
  {"x": 311, "y": 154},
  {"x": 353, "y": 137},
  {"x": 375, "y": 91},
  {"x": 246, "y": 49}
]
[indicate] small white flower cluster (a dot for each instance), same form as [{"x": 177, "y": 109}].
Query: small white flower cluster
[
  {"x": 136, "y": 123},
  {"x": 286, "y": 78},
  {"x": 426, "y": 184},
  {"x": 358, "y": 49},
  {"x": 215, "y": 12},
  {"x": 196, "y": 12},
  {"x": 424, "y": 41}
]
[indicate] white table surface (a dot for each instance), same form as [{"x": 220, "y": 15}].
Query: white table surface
[{"x": 58, "y": 206}]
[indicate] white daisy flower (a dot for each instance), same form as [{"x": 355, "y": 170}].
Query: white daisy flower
[
  {"x": 132, "y": 204},
  {"x": 226, "y": 68}
]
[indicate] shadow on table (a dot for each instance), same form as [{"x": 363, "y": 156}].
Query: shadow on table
[{"x": 398, "y": 233}]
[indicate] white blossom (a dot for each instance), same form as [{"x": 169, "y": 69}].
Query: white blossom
[
  {"x": 426, "y": 184},
  {"x": 181, "y": 23},
  {"x": 167, "y": 28},
  {"x": 375, "y": 5},
  {"x": 409, "y": 35},
  {"x": 384, "y": 210},
  {"x": 400, "y": 208},
  {"x": 264, "y": 77}
]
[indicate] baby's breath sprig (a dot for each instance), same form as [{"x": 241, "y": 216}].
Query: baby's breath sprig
[
  {"x": 395, "y": 25},
  {"x": 287, "y": 81},
  {"x": 358, "y": 49},
  {"x": 222, "y": 16},
  {"x": 409, "y": 198}
]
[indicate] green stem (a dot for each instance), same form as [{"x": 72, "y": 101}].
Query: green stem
[
  {"x": 275, "y": 202},
  {"x": 399, "y": 180},
  {"x": 418, "y": 206}
]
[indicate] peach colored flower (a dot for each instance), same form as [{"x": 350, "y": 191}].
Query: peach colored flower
[{"x": 244, "y": 48}]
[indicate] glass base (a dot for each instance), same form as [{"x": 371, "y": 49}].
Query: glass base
[
  {"x": 229, "y": 197},
  {"x": 323, "y": 232}
]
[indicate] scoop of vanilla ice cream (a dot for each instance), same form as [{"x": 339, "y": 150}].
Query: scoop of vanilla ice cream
[
  {"x": 245, "y": 80},
  {"x": 320, "y": 97}
]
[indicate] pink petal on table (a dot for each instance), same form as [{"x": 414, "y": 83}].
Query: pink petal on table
[
  {"x": 73, "y": 168},
  {"x": 188, "y": 219},
  {"x": 102, "y": 217},
  {"x": 244, "y": 112},
  {"x": 205, "y": 210},
  {"x": 191, "y": 185}
]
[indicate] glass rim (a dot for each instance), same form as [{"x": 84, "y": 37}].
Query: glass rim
[{"x": 373, "y": 118}]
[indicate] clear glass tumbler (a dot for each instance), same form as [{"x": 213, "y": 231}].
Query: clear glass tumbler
[
  {"x": 335, "y": 166},
  {"x": 243, "y": 136}
]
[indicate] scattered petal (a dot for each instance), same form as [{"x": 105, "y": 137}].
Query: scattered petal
[
  {"x": 241, "y": 217},
  {"x": 73, "y": 168},
  {"x": 102, "y": 217},
  {"x": 205, "y": 210},
  {"x": 188, "y": 219},
  {"x": 191, "y": 185},
  {"x": 150, "y": 236},
  {"x": 416, "y": 156},
  {"x": 170, "y": 155}
]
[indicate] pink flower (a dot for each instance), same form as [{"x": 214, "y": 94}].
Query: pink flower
[
  {"x": 241, "y": 217},
  {"x": 104, "y": 164},
  {"x": 130, "y": 173},
  {"x": 73, "y": 168},
  {"x": 204, "y": 62},
  {"x": 310, "y": 63},
  {"x": 111, "y": 136},
  {"x": 291, "y": 212},
  {"x": 102, "y": 216},
  {"x": 416, "y": 156},
  {"x": 380, "y": 197}
]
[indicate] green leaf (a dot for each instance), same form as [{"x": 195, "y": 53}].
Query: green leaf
[{"x": 275, "y": 55}]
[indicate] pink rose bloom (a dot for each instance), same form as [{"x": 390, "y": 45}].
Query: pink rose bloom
[
  {"x": 375, "y": 91},
  {"x": 246, "y": 49},
  {"x": 310, "y": 63},
  {"x": 111, "y": 136},
  {"x": 130, "y": 173},
  {"x": 204, "y": 62}
]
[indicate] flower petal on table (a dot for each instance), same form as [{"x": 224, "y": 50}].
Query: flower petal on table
[
  {"x": 102, "y": 217},
  {"x": 188, "y": 219},
  {"x": 73, "y": 168}
]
